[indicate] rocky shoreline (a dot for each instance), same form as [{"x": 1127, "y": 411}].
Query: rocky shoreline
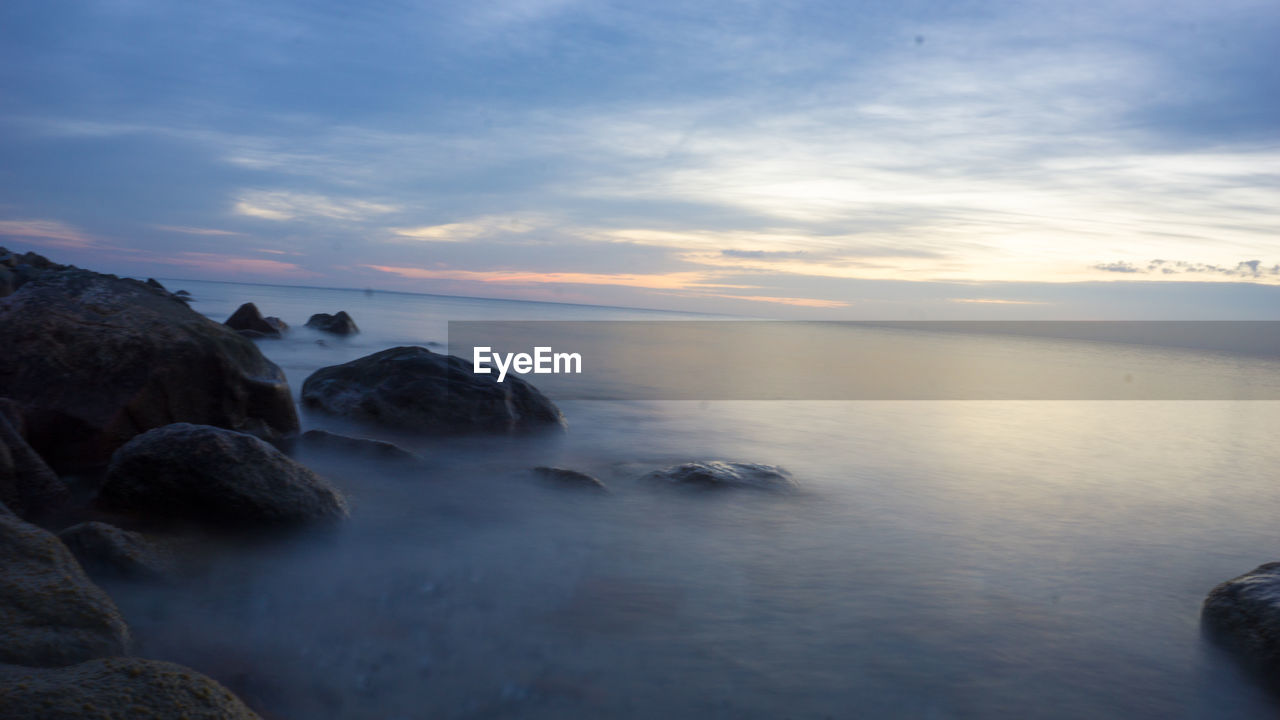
[{"x": 128, "y": 420}]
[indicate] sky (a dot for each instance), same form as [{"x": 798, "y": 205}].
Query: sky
[{"x": 1107, "y": 160}]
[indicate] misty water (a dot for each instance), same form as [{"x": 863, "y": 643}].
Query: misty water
[{"x": 948, "y": 559}]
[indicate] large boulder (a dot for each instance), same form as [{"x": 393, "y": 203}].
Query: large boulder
[
  {"x": 220, "y": 477},
  {"x": 95, "y": 359},
  {"x": 27, "y": 485},
  {"x": 248, "y": 321},
  {"x": 338, "y": 324},
  {"x": 106, "y": 550},
  {"x": 51, "y": 614},
  {"x": 117, "y": 688},
  {"x": 716, "y": 475},
  {"x": 412, "y": 388},
  {"x": 1244, "y": 613}
]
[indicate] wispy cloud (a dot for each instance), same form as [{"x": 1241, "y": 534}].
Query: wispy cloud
[
  {"x": 196, "y": 230},
  {"x": 459, "y": 231},
  {"x": 287, "y": 205},
  {"x": 49, "y": 232},
  {"x": 1249, "y": 269},
  {"x": 656, "y": 281},
  {"x": 234, "y": 264}
]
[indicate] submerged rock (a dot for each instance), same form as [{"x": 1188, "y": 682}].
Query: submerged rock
[
  {"x": 51, "y": 614},
  {"x": 27, "y": 485},
  {"x": 412, "y": 388},
  {"x": 1244, "y": 613},
  {"x": 569, "y": 478},
  {"x": 716, "y": 474},
  {"x": 117, "y": 688},
  {"x": 338, "y": 324},
  {"x": 95, "y": 359},
  {"x": 106, "y": 550},
  {"x": 248, "y": 321},
  {"x": 323, "y": 441},
  {"x": 207, "y": 474}
]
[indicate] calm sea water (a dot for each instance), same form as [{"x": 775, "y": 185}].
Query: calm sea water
[{"x": 955, "y": 559}]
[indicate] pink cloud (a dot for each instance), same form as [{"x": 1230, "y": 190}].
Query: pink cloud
[{"x": 50, "y": 232}]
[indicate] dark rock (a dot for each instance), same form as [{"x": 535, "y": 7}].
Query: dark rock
[
  {"x": 106, "y": 550},
  {"x": 221, "y": 477},
  {"x": 338, "y": 324},
  {"x": 50, "y": 612},
  {"x": 247, "y": 319},
  {"x": 155, "y": 284},
  {"x": 569, "y": 478},
  {"x": 718, "y": 474},
  {"x": 276, "y": 323},
  {"x": 95, "y": 359},
  {"x": 17, "y": 270},
  {"x": 116, "y": 688},
  {"x": 1244, "y": 613},
  {"x": 27, "y": 485},
  {"x": 323, "y": 441},
  {"x": 412, "y": 388}
]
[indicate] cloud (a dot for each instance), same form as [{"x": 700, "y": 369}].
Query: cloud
[
  {"x": 656, "y": 281},
  {"x": 234, "y": 265},
  {"x": 1117, "y": 267},
  {"x": 287, "y": 205},
  {"x": 791, "y": 301},
  {"x": 1245, "y": 269},
  {"x": 763, "y": 254},
  {"x": 996, "y": 301},
  {"x": 195, "y": 230},
  {"x": 459, "y": 231},
  {"x": 50, "y": 232}
]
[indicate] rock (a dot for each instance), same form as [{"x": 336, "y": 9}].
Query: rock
[
  {"x": 95, "y": 359},
  {"x": 216, "y": 476},
  {"x": 412, "y": 388},
  {"x": 1244, "y": 613},
  {"x": 17, "y": 270},
  {"x": 716, "y": 474},
  {"x": 106, "y": 550},
  {"x": 569, "y": 478},
  {"x": 249, "y": 321},
  {"x": 117, "y": 688},
  {"x": 156, "y": 284},
  {"x": 27, "y": 485},
  {"x": 339, "y": 324},
  {"x": 323, "y": 441},
  {"x": 277, "y": 324},
  {"x": 50, "y": 612}
]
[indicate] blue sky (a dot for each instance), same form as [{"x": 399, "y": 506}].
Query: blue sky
[{"x": 797, "y": 159}]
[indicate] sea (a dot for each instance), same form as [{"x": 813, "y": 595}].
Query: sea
[{"x": 959, "y": 558}]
